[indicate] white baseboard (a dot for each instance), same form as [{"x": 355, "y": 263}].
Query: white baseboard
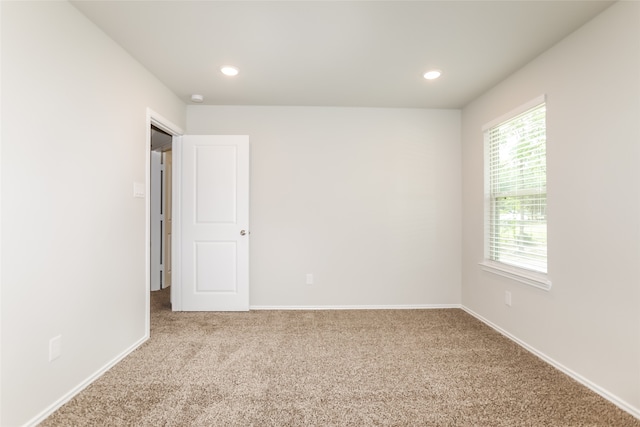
[
  {"x": 582, "y": 380},
  {"x": 354, "y": 307},
  {"x": 84, "y": 384}
]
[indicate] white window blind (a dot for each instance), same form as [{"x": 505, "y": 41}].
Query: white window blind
[{"x": 516, "y": 217}]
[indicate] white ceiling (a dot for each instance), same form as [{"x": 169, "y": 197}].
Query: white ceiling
[{"x": 337, "y": 53}]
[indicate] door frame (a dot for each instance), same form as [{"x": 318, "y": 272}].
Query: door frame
[{"x": 162, "y": 123}]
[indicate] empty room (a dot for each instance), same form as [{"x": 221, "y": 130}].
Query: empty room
[{"x": 361, "y": 213}]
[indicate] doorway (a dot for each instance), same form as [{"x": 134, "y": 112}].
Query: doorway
[
  {"x": 155, "y": 120},
  {"x": 211, "y": 175},
  {"x": 161, "y": 208}
]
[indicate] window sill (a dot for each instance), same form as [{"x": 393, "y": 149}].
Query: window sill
[{"x": 531, "y": 278}]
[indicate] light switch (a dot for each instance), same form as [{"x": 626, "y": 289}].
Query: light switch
[{"x": 138, "y": 190}]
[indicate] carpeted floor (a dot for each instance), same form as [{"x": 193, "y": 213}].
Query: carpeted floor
[{"x": 332, "y": 368}]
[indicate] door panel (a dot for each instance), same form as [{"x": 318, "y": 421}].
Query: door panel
[
  {"x": 219, "y": 276},
  {"x": 216, "y": 184},
  {"x": 214, "y": 222}
]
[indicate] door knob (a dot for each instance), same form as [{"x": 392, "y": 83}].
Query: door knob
[{"x": 243, "y": 232}]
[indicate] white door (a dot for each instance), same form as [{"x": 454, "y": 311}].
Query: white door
[
  {"x": 214, "y": 223},
  {"x": 168, "y": 224},
  {"x": 157, "y": 248}
]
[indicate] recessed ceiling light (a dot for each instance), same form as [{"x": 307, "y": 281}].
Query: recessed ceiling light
[
  {"x": 229, "y": 71},
  {"x": 433, "y": 74},
  {"x": 197, "y": 98}
]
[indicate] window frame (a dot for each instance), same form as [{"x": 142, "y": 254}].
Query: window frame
[{"x": 530, "y": 277}]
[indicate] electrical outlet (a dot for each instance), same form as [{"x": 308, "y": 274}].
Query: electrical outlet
[
  {"x": 55, "y": 348},
  {"x": 309, "y": 280},
  {"x": 507, "y": 298}
]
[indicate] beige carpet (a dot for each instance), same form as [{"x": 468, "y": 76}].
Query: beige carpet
[{"x": 332, "y": 368}]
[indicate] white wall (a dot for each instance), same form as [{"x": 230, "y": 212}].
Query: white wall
[
  {"x": 368, "y": 200},
  {"x": 73, "y": 237},
  {"x": 590, "y": 320}
]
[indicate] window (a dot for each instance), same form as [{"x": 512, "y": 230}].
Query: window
[{"x": 516, "y": 194}]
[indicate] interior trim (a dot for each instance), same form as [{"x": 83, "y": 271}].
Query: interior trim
[
  {"x": 354, "y": 307},
  {"x": 82, "y": 385},
  {"x": 620, "y": 403},
  {"x": 528, "y": 277}
]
